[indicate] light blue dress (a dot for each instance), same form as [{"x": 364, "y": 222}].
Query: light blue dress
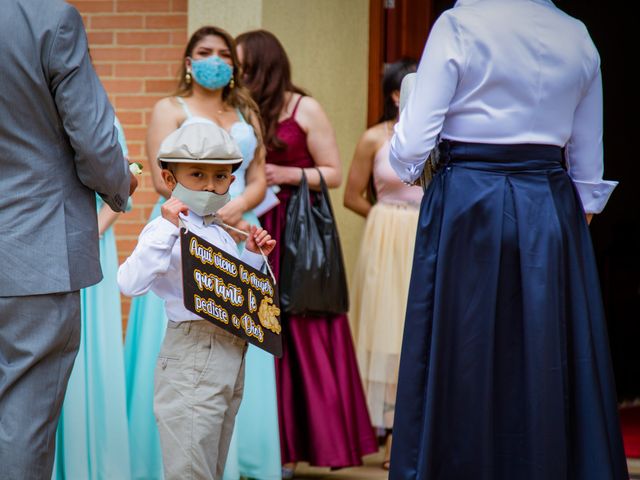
[
  {"x": 92, "y": 440},
  {"x": 145, "y": 332},
  {"x": 255, "y": 445}
]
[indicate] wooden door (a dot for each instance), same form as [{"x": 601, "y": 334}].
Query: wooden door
[{"x": 397, "y": 28}]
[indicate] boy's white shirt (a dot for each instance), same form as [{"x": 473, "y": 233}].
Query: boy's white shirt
[{"x": 155, "y": 263}]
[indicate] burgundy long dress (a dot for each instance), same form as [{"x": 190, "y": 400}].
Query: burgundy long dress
[{"x": 321, "y": 404}]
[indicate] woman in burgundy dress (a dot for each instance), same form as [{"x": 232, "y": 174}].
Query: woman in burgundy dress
[{"x": 321, "y": 404}]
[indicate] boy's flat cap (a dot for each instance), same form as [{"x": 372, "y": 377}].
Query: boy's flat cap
[{"x": 200, "y": 142}]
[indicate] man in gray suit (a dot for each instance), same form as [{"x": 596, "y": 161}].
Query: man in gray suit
[{"x": 58, "y": 146}]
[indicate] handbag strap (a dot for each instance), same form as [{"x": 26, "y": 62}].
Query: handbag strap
[
  {"x": 323, "y": 184},
  {"x": 303, "y": 179},
  {"x": 325, "y": 190}
]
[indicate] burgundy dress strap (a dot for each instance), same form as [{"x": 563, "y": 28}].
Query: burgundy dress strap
[{"x": 295, "y": 108}]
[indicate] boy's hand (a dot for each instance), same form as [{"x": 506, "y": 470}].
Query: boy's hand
[
  {"x": 171, "y": 208},
  {"x": 259, "y": 237}
]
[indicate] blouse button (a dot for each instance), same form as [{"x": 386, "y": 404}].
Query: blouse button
[{"x": 597, "y": 193}]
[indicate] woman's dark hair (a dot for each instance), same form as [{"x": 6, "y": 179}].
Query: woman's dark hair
[
  {"x": 391, "y": 81},
  {"x": 237, "y": 96},
  {"x": 266, "y": 71}
]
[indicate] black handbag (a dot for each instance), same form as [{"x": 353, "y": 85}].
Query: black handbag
[{"x": 312, "y": 274}]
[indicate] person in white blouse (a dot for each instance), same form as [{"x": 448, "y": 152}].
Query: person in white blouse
[
  {"x": 505, "y": 369},
  {"x": 199, "y": 377}
]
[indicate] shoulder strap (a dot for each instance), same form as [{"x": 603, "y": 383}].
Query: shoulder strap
[
  {"x": 184, "y": 105},
  {"x": 240, "y": 116},
  {"x": 295, "y": 108}
]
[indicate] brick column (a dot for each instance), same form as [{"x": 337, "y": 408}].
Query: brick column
[{"x": 136, "y": 46}]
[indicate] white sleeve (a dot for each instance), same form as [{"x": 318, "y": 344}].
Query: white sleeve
[
  {"x": 150, "y": 258},
  {"x": 421, "y": 120},
  {"x": 584, "y": 150}
]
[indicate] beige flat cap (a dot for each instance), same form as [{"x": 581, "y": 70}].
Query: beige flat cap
[{"x": 202, "y": 143}]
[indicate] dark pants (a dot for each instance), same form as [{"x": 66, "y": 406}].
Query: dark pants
[{"x": 39, "y": 339}]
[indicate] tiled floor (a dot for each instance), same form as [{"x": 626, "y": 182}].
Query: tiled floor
[{"x": 371, "y": 471}]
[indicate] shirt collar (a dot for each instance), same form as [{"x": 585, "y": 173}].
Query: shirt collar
[{"x": 192, "y": 218}]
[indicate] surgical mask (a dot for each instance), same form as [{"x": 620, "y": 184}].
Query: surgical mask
[
  {"x": 212, "y": 72},
  {"x": 201, "y": 202}
]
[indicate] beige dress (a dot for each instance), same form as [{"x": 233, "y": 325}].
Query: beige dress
[{"x": 380, "y": 284}]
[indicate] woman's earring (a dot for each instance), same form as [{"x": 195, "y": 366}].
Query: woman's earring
[
  {"x": 232, "y": 83},
  {"x": 187, "y": 77}
]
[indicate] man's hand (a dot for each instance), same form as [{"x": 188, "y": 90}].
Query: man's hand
[
  {"x": 259, "y": 238},
  {"x": 171, "y": 209},
  {"x": 133, "y": 183}
]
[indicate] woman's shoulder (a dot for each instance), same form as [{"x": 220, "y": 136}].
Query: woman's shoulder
[
  {"x": 168, "y": 110},
  {"x": 308, "y": 112},
  {"x": 306, "y": 104},
  {"x": 374, "y": 137},
  {"x": 169, "y": 104}
]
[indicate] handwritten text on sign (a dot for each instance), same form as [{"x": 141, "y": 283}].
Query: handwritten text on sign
[{"x": 230, "y": 294}]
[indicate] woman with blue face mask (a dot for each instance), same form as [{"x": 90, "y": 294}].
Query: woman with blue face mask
[{"x": 210, "y": 90}]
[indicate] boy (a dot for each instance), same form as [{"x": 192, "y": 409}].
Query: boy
[{"x": 200, "y": 371}]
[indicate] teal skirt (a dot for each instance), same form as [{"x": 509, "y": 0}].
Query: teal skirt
[
  {"x": 92, "y": 440},
  {"x": 145, "y": 332}
]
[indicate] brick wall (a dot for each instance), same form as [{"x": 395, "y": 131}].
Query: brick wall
[{"x": 136, "y": 47}]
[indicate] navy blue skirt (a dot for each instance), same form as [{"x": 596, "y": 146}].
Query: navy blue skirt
[{"x": 505, "y": 370}]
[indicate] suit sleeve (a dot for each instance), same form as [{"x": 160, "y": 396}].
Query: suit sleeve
[{"x": 87, "y": 115}]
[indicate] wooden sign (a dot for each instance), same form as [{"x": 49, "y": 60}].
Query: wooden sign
[{"x": 230, "y": 294}]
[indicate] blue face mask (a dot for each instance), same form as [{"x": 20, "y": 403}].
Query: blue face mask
[{"x": 212, "y": 72}]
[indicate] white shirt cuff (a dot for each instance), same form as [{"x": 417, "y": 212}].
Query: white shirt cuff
[
  {"x": 251, "y": 258},
  {"x": 407, "y": 172},
  {"x": 594, "y": 196}
]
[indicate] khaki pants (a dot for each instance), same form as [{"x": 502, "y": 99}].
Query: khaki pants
[{"x": 199, "y": 380}]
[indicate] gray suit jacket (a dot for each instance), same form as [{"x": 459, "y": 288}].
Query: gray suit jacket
[{"x": 58, "y": 145}]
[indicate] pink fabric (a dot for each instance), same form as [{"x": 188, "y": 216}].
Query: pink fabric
[{"x": 321, "y": 404}]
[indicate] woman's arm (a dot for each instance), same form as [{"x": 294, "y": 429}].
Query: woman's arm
[
  {"x": 442, "y": 64},
  {"x": 321, "y": 141},
  {"x": 584, "y": 151},
  {"x": 106, "y": 218},
  {"x": 163, "y": 122},
  {"x": 256, "y": 184},
  {"x": 360, "y": 174}
]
